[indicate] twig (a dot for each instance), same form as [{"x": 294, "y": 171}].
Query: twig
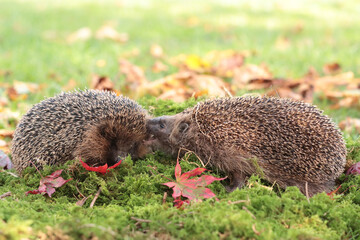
[
  {"x": 10, "y": 173},
  {"x": 139, "y": 220},
  {"x": 79, "y": 190},
  {"x": 189, "y": 151},
  {"x": 247, "y": 210},
  {"x": 239, "y": 201},
  {"x": 81, "y": 202},
  {"x": 254, "y": 229},
  {"x": 96, "y": 197},
  {"x": 7, "y": 194},
  {"x": 164, "y": 198},
  {"x": 307, "y": 192},
  {"x": 36, "y": 169},
  {"x": 227, "y": 92}
]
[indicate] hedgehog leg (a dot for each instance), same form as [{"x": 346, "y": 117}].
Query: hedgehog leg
[{"x": 237, "y": 180}]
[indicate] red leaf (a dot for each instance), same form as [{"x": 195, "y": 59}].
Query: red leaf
[
  {"x": 55, "y": 174},
  {"x": 49, "y": 183},
  {"x": 101, "y": 169},
  {"x": 36, "y": 191},
  {"x": 192, "y": 173},
  {"x": 177, "y": 169},
  {"x": 193, "y": 189},
  {"x": 354, "y": 169},
  {"x": 5, "y": 161},
  {"x": 179, "y": 203},
  {"x": 332, "y": 193},
  {"x": 207, "y": 193},
  {"x": 115, "y": 165}
]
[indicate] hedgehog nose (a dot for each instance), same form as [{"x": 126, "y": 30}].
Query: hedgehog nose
[{"x": 152, "y": 124}]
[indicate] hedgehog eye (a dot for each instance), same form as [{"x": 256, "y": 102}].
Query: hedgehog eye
[
  {"x": 162, "y": 125},
  {"x": 183, "y": 127}
]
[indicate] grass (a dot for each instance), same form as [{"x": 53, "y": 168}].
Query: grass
[{"x": 288, "y": 37}]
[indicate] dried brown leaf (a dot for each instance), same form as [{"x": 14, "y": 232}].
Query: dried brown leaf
[
  {"x": 108, "y": 32},
  {"x": 81, "y": 34},
  {"x": 261, "y": 83},
  {"x": 159, "y": 67},
  {"x": 209, "y": 85},
  {"x": 349, "y": 124},
  {"x": 135, "y": 79},
  {"x": 227, "y": 65},
  {"x": 101, "y": 83},
  {"x": 245, "y": 74},
  {"x": 7, "y": 133},
  {"x": 324, "y": 84},
  {"x": 332, "y": 68},
  {"x": 282, "y": 43},
  {"x": 71, "y": 84}
]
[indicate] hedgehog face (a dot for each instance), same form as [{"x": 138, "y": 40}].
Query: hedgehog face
[
  {"x": 161, "y": 127},
  {"x": 159, "y": 130}
]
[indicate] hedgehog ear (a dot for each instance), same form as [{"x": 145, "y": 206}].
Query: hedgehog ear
[{"x": 183, "y": 127}]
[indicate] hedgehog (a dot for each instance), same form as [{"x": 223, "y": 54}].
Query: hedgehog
[
  {"x": 97, "y": 126},
  {"x": 287, "y": 142}
]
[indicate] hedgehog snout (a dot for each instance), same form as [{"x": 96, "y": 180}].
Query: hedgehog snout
[{"x": 158, "y": 127}]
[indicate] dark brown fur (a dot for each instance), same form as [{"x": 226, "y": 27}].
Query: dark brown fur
[
  {"x": 290, "y": 143},
  {"x": 97, "y": 126}
]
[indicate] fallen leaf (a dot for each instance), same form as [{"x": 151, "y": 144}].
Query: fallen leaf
[
  {"x": 159, "y": 67},
  {"x": 134, "y": 77},
  {"x": 323, "y": 84},
  {"x": 7, "y": 133},
  {"x": 101, "y": 169},
  {"x": 156, "y": 51},
  {"x": 70, "y": 85},
  {"x": 14, "y": 95},
  {"x": 311, "y": 75},
  {"x": 5, "y": 161},
  {"x": 350, "y": 124},
  {"x": 81, "y": 34},
  {"x": 49, "y": 183},
  {"x": 197, "y": 64},
  {"x": 211, "y": 85},
  {"x": 354, "y": 169},
  {"x": 264, "y": 83},
  {"x": 193, "y": 189},
  {"x": 101, "y": 83},
  {"x": 108, "y": 32},
  {"x": 246, "y": 73},
  {"x": 332, "y": 68},
  {"x": 282, "y": 43},
  {"x": 227, "y": 65}
]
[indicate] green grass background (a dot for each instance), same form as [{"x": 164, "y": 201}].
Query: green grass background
[{"x": 33, "y": 48}]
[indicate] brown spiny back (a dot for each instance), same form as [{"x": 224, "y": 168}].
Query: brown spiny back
[{"x": 58, "y": 129}]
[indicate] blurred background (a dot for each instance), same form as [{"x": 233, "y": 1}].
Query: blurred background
[{"x": 175, "y": 50}]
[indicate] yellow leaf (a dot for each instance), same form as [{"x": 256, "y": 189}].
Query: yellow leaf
[{"x": 194, "y": 62}]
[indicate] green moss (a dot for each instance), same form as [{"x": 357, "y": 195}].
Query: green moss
[{"x": 134, "y": 191}]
